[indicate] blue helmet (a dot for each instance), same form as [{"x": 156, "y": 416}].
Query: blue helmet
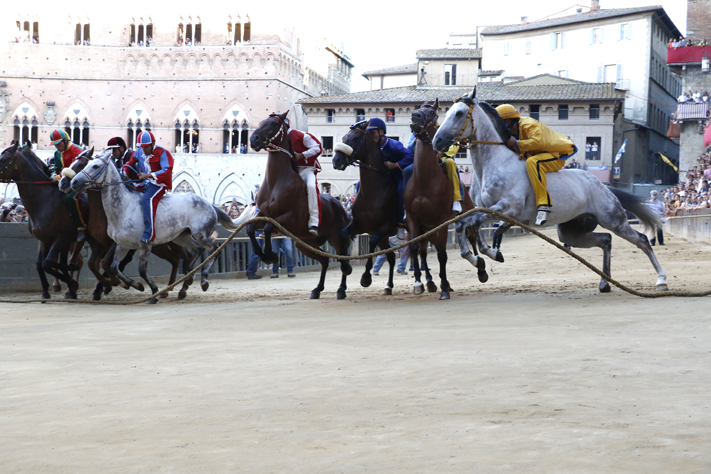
[
  {"x": 145, "y": 138},
  {"x": 377, "y": 123}
]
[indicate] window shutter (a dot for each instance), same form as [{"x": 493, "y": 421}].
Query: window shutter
[
  {"x": 629, "y": 31},
  {"x": 592, "y": 35},
  {"x": 619, "y": 32},
  {"x": 553, "y": 41},
  {"x": 619, "y": 72},
  {"x": 600, "y": 71},
  {"x": 562, "y": 39},
  {"x": 599, "y": 40}
]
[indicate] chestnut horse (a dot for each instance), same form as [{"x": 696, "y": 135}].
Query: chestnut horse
[
  {"x": 375, "y": 209},
  {"x": 428, "y": 201},
  {"x": 103, "y": 252},
  {"x": 49, "y": 221},
  {"x": 282, "y": 196}
]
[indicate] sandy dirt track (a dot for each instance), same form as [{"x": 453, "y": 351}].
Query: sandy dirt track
[{"x": 534, "y": 371}]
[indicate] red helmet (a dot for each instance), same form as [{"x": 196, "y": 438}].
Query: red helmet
[
  {"x": 116, "y": 142},
  {"x": 145, "y": 138},
  {"x": 57, "y": 136}
]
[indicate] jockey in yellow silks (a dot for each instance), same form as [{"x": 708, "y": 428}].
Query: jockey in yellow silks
[
  {"x": 450, "y": 167},
  {"x": 544, "y": 150}
]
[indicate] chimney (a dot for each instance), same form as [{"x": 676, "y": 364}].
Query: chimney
[
  {"x": 594, "y": 6},
  {"x": 524, "y": 20}
]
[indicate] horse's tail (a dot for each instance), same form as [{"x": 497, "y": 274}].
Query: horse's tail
[
  {"x": 636, "y": 206},
  {"x": 230, "y": 224}
]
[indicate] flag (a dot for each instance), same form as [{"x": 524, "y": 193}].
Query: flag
[
  {"x": 668, "y": 161},
  {"x": 622, "y": 150}
]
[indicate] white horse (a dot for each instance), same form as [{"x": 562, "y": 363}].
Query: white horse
[
  {"x": 183, "y": 218},
  {"x": 500, "y": 182}
]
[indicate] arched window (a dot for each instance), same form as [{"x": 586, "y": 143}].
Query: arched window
[
  {"x": 27, "y": 32},
  {"x": 244, "y": 138},
  {"x": 247, "y": 38},
  {"x": 82, "y": 34},
  {"x": 140, "y": 34},
  {"x": 189, "y": 34},
  {"x": 77, "y": 124},
  {"x": 238, "y": 33},
  {"x": 234, "y": 139},
  {"x": 187, "y": 137}
]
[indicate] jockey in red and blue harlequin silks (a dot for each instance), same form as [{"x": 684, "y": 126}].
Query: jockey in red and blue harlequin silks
[{"x": 154, "y": 165}]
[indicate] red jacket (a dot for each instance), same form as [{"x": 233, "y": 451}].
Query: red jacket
[
  {"x": 160, "y": 164},
  {"x": 68, "y": 157},
  {"x": 308, "y": 145}
]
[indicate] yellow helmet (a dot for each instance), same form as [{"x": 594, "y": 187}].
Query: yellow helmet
[{"x": 507, "y": 111}]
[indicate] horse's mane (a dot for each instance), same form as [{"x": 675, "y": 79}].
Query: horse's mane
[
  {"x": 34, "y": 160},
  {"x": 501, "y": 128}
]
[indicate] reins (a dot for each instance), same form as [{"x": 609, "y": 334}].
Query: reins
[
  {"x": 357, "y": 162},
  {"x": 277, "y": 138},
  {"x": 466, "y": 142}
]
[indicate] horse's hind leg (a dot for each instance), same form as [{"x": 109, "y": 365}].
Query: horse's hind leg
[
  {"x": 42, "y": 275},
  {"x": 316, "y": 292},
  {"x": 119, "y": 255},
  {"x": 390, "y": 257},
  {"x": 144, "y": 252},
  {"x": 419, "y": 288},
  {"x": 640, "y": 240},
  {"x": 465, "y": 236},
  {"x": 570, "y": 233},
  {"x": 366, "y": 280},
  {"x": 342, "y": 245},
  {"x": 431, "y": 286}
]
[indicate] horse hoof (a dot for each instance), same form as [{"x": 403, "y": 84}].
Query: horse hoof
[
  {"x": 182, "y": 294},
  {"x": 46, "y": 296},
  {"x": 57, "y": 288},
  {"x": 387, "y": 291},
  {"x": 69, "y": 295},
  {"x": 126, "y": 286},
  {"x": 499, "y": 257},
  {"x": 341, "y": 294},
  {"x": 431, "y": 287},
  {"x": 366, "y": 280},
  {"x": 315, "y": 295},
  {"x": 418, "y": 289},
  {"x": 96, "y": 296},
  {"x": 205, "y": 285},
  {"x": 446, "y": 286},
  {"x": 662, "y": 287},
  {"x": 444, "y": 295},
  {"x": 483, "y": 276},
  {"x": 605, "y": 287},
  {"x": 152, "y": 301},
  {"x": 139, "y": 287},
  {"x": 73, "y": 285},
  {"x": 346, "y": 269},
  {"x": 163, "y": 295},
  {"x": 107, "y": 289}
]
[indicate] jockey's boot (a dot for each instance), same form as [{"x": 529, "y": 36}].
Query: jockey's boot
[
  {"x": 401, "y": 233},
  {"x": 457, "y": 206},
  {"x": 313, "y": 230},
  {"x": 503, "y": 226},
  {"x": 542, "y": 215},
  {"x": 81, "y": 235}
]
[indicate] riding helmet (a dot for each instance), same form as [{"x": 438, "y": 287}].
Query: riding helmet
[
  {"x": 145, "y": 138},
  {"x": 377, "y": 123},
  {"x": 507, "y": 111},
  {"x": 116, "y": 142},
  {"x": 57, "y": 136}
]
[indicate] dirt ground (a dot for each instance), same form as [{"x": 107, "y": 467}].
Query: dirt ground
[{"x": 534, "y": 371}]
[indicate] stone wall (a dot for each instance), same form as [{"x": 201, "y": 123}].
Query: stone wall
[
  {"x": 698, "y": 19},
  {"x": 691, "y": 228},
  {"x": 691, "y": 142}
]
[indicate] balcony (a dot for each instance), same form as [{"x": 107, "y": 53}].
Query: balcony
[
  {"x": 692, "y": 111},
  {"x": 688, "y": 55}
]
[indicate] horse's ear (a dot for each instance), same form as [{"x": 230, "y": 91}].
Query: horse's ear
[
  {"x": 91, "y": 152},
  {"x": 13, "y": 148},
  {"x": 436, "y": 104},
  {"x": 473, "y": 94},
  {"x": 283, "y": 116}
]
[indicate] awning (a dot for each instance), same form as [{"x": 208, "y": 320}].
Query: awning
[{"x": 692, "y": 111}]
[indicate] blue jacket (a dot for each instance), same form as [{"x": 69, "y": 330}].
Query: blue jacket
[{"x": 396, "y": 152}]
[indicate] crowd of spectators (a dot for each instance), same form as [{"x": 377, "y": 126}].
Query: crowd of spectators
[
  {"x": 242, "y": 149},
  {"x": 148, "y": 43},
  {"x": 693, "y": 193},
  {"x": 346, "y": 201},
  {"x": 12, "y": 211},
  {"x": 682, "y": 42},
  {"x": 693, "y": 97}
]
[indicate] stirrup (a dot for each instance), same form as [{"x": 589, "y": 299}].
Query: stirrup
[{"x": 457, "y": 206}]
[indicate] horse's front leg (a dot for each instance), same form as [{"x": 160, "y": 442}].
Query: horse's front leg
[
  {"x": 144, "y": 253},
  {"x": 42, "y": 275},
  {"x": 119, "y": 254},
  {"x": 475, "y": 222},
  {"x": 60, "y": 270},
  {"x": 465, "y": 236},
  {"x": 390, "y": 257},
  {"x": 366, "y": 280},
  {"x": 431, "y": 286},
  {"x": 269, "y": 256}
]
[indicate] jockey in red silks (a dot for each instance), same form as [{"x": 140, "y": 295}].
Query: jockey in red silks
[
  {"x": 307, "y": 149},
  {"x": 153, "y": 165}
]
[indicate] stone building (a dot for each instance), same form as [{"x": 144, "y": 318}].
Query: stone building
[
  {"x": 200, "y": 82},
  {"x": 693, "y": 65}
]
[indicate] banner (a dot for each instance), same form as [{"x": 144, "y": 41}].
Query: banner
[
  {"x": 707, "y": 135},
  {"x": 622, "y": 150},
  {"x": 668, "y": 161}
]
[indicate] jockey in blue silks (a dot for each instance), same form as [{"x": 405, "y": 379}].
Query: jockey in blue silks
[{"x": 398, "y": 158}]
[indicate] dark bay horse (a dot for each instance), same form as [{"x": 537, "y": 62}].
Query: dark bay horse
[
  {"x": 283, "y": 197},
  {"x": 49, "y": 220},
  {"x": 103, "y": 252},
  {"x": 375, "y": 209},
  {"x": 428, "y": 201}
]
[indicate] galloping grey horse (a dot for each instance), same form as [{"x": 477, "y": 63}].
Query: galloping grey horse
[
  {"x": 500, "y": 182},
  {"x": 183, "y": 218}
]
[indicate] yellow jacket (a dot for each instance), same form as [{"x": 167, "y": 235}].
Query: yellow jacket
[{"x": 535, "y": 138}]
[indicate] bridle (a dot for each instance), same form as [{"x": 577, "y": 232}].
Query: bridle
[
  {"x": 466, "y": 142},
  {"x": 422, "y": 134},
  {"x": 356, "y": 161},
  {"x": 274, "y": 143},
  {"x": 11, "y": 161},
  {"x": 102, "y": 170}
]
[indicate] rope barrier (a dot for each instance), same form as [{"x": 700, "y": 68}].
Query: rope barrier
[{"x": 621, "y": 286}]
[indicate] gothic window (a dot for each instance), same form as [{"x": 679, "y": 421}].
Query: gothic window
[
  {"x": 140, "y": 34},
  {"x": 190, "y": 33},
  {"x": 77, "y": 131},
  {"x": 27, "y": 32},
  {"x": 238, "y": 32},
  {"x": 187, "y": 137},
  {"x": 82, "y": 34},
  {"x": 184, "y": 187}
]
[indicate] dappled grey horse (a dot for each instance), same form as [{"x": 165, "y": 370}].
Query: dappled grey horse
[
  {"x": 183, "y": 218},
  {"x": 500, "y": 182}
]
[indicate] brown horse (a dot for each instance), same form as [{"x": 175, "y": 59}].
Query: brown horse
[
  {"x": 428, "y": 201},
  {"x": 49, "y": 221},
  {"x": 375, "y": 209},
  {"x": 103, "y": 252},
  {"x": 283, "y": 197}
]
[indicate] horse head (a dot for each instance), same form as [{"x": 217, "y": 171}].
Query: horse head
[
  {"x": 351, "y": 149},
  {"x": 270, "y": 132},
  {"x": 457, "y": 123},
  {"x": 93, "y": 173},
  {"x": 7, "y": 158},
  {"x": 79, "y": 164},
  {"x": 423, "y": 121}
]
